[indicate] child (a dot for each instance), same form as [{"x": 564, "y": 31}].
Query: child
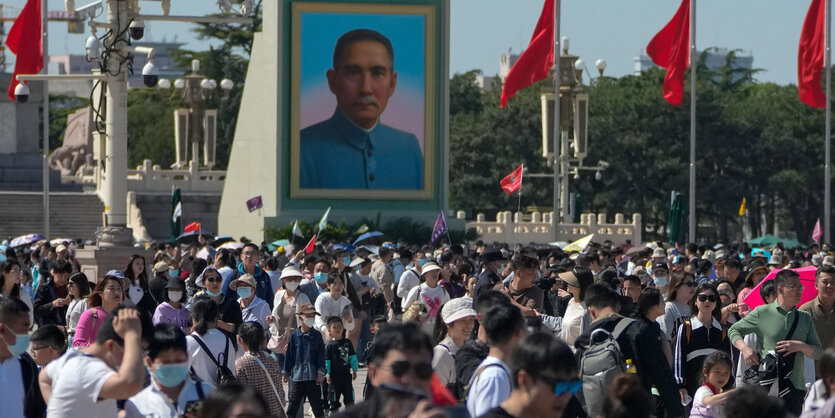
[
  {"x": 823, "y": 389},
  {"x": 48, "y": 343},
  {"x": 709, "y": 400},
  {"x": 341, "y": 365},
  {"x": 376, "y": 323},
  {"x": 304, "y": 363}
]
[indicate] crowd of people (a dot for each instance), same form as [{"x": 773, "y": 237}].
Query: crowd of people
[{"x": 456, "y": 331}]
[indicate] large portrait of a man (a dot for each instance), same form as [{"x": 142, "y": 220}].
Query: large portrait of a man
[{"x": 363, "y": 86}]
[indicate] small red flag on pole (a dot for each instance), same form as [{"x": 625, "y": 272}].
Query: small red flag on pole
[
  {"x": 670, "y": 49},
  {"x": 535, "y": 63},
  {"x": 25, "y": 40},
  {"x": 194, "y": 226},
  {"x": 513, "y": 181},
  {"x": 309, "y": 247},
  {"x": 810, "y": 55}
]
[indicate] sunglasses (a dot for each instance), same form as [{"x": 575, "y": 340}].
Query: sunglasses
[
  {"x": 707, "y": 298},
  {"x": 568, "y": 386},
  {"x": 690, "y": 284},
  {"x": 422, "y": 371},
  {"x": 213, "y": 279}
]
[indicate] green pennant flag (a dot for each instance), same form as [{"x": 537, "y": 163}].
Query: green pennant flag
[
  {"x": 176, "y": 214},
  {"x": 324, "y": 222}
]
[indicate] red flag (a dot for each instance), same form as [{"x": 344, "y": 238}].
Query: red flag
[
  {"x": 309, "y": 248},
  {"x": 25, "y": 41},
  {"x": 535, "y": 63},
  {"x": 810, "y": 56},
  {"x": 513, "y": 182},
  {"x": 194, "y": 226},
  {"x": 817, "y": 233},
  {"x": 670, "y": 49}
]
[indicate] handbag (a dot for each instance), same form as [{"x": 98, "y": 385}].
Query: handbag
[
  {"x": 412, "y": 313},
  {"x": 278, "y": 343},
  {"x": 269, "y": 378},
  {"x": 772, "y": 365}
]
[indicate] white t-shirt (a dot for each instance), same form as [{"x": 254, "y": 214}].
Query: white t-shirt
[
  {"x": 700, "y": 410},
  {"x": 76, "y": 392},
  {"x": 11, "y": 386},
  {"x": 74, "y": 311},
  {"x": 574, "y": 322},
  {"x": 326, "y": 306},
  {"x": 437, "y": 295},
  {"x": 408, "y": 280},
  {"x": 152, "y": 402},
  {"x": 199, "y": 360},
  {"x": 489, "y": 386}
]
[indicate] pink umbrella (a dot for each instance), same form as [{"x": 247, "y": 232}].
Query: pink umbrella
[{"x": 807, "y": 278}]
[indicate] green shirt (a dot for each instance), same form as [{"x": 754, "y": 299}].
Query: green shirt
[{"x": 771, "y": 323}]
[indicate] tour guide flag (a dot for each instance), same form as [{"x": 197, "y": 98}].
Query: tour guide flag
[
  {"x": 742, "y": 208},
  {"x": 25, "y": 41},
  {"x": 439, "y": 229},
  {"x": 810, "y": 56},
  {"x": 817, "y": 233},
  {"x": 309, "y": 247},
  {"x": 323, "y": 223},
  {"x": 535, "y": 63},
  {"x": 297, "y": 231},
  {"x": 513, "y": 182},
  {"x": 670, "y": 49},
  {"x": 194, "y": 226},
  {"x": 176, "y": 213},
  {"x": 255, "y": 203}
]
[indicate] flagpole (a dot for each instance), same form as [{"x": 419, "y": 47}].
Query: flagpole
[
  {"x": 518, "y": 209},
  {"x": 556, "y": 141},
  {"x": 693, "y": 65},
  {"x": 45, "y": 84},
  {"x": 827, "y": 200}
]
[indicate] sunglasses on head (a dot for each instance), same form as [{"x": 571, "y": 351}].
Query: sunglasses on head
[
  {"x": 422, "y": 371},
  {"x": 707, "y": 298}
]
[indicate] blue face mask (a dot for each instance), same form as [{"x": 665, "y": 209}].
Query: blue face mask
[
  {"x": 346, "y": 260},
  {"x": 170, "y": 375},
  {"x": 212, "y": 294},
  {"x": 174, "y": 273},
  {"x": 20, "y": 345},
  {"x": 244, "y": 291},
  {"x": 660, "y": 281},
  {"x": 422, "y": 261},
  {"x": 320, "y": 277}
]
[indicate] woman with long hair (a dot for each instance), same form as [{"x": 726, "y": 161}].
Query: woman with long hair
[
  {"x": 258, "y": 370},
  {"x": 649, "y": 308},
  {"x": 455, "y": 322},
  {"x": 204, "y": 317},
  {"x": 677, "y": 309},
  {"x": 10, "y": 284},
  {"x": 284, "y": 319},
  {"x": 137, "y": 292},
  {"x": 229, "y": 311},
  {"x": 698, "y": 337},
  {"x": 106, "y": 296},
  {"x": 78, "y": 288}
]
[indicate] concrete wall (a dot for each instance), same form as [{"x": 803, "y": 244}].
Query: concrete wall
[{"x": 156, "y": 213}]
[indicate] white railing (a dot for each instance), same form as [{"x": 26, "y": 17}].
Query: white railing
[
  {"x": 510, "y": 228},
  {"x": 149, "y": 177}
]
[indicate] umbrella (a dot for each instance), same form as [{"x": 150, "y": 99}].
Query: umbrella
[
  {"x": 368, "y": 235},
  {"x": 580, "y": 244},
  {"x": 807, "y": 279},
  {"x": 231, "y": 246},
  {"x": 561, "y": 244},
  {"x": 277, "y": 243},
  {"x": 59, "y": 241},
  {"x": 344, "y": 246},
  {"x": 191, "y": 237},
  {"x": 203, "y": 253},
  {"x": 372, "y": 248},
  {"x": 25, "y": 240},
  {"x": 221, "y": 240},
  {"x": 769, "y": 240},
  {"x": 635, "y": 250}
]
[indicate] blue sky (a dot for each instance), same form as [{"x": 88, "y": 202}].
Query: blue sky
[{"x": 615, "y": 30}]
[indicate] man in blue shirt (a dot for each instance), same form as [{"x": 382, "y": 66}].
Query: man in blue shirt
[{"x": 352, "y": 149}]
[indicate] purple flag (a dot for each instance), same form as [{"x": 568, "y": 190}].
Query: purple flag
[
  {"x": 439, "y": 229},
  {"x": 254, "y": 203}
]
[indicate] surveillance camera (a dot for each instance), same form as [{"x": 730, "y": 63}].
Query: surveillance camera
[
  {"x": 137, "y": 29},
  {"x": 598, "y": 176},
  {"x": 603, "y": 164},
  {"x": 21, "y": 93},
  {"x": 92, "y": 47},
  {"x": 150, "y": 74},
  {"x": 90, "y": 9}
]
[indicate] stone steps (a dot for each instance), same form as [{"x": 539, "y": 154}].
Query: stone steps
[{"x": 72, "y": 215}]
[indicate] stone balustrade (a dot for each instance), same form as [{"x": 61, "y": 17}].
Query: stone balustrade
[
  {"x": 150, "y": 178},
  {"x": 514, "y": 227}
]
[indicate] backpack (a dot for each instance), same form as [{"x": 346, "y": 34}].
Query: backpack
[
  {"x": 600, "y": 363},
  {"x": 223, "y": 375}
]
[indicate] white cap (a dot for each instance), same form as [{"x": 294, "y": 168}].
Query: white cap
[
  {"x": 290, "y": 271},
  {"x": 456, "y": 309}
]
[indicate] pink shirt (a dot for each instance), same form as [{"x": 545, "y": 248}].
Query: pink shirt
[{"x": 88, "y": 327}]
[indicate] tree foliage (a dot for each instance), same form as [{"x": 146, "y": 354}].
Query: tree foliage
[{"x": 754, "y": 140}]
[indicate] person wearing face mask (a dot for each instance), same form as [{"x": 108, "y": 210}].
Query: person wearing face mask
[
  {"x": 253, "y": 308},
  {"x": 171, "y": 390},
  {"x": 173, "y": 310},
  {"x": 333, "y": 303},
  {"x": 317, "y": 284},
  {"x": 229, "y": 316},
  {"x": 660, "y": 279},
  {"x": 304, "y": 363},
  {"x": 283, "y": 319},
  {"x": 411, "y": 276},
  {"x": 88, "y": 383},
  {"x": 161, "y": 276},
  {"x": 18, "y": 371}
]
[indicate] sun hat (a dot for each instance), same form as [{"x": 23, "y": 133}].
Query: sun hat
[
  {"x": 456, "y": 309},
  {"x": 246, "y": 278}
]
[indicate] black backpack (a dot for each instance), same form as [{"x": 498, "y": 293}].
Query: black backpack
[{"x": 224, "y": 374}]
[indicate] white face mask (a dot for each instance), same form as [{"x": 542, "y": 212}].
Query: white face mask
[
  {"x": 310, "y": 321},
  {"x": 174, "y": 296},
  {"x": 291, "y": 286}
]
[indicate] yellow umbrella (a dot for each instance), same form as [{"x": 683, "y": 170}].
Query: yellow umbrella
[{"x": 580, "y": 244}]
